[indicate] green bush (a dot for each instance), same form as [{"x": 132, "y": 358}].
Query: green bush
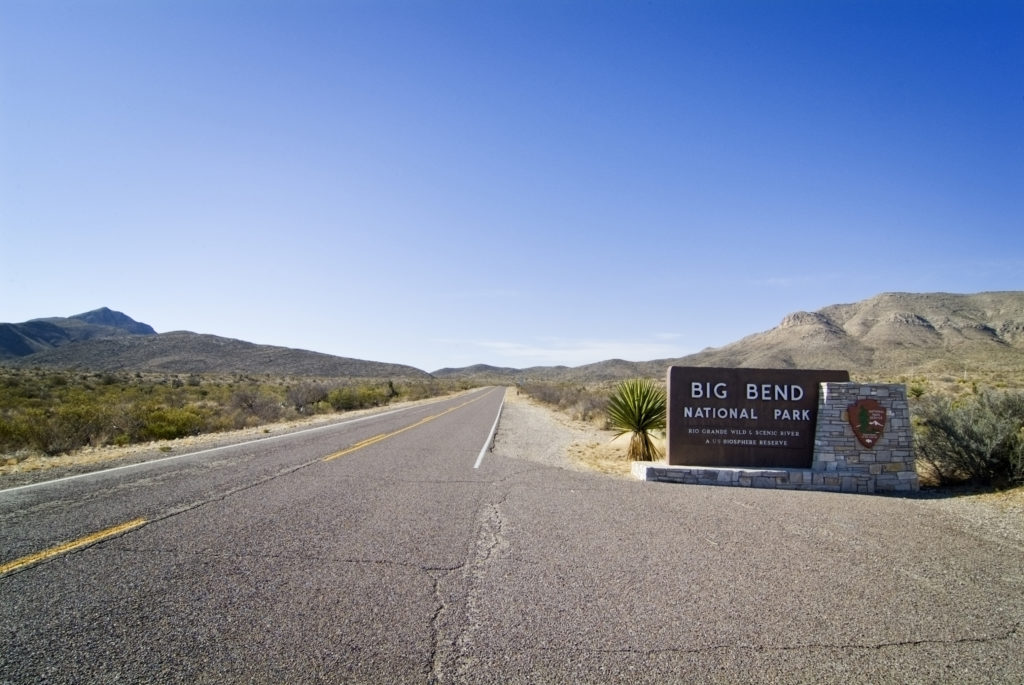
[
  {"x": 171, "y": 423},
  {"x": 347, "y": 398},
  {"x": 55, "y": 431},
  {"x": 343, "y": 399},
  {"x": 978, "y": 438},
  {"x": 638, "y": 406}
]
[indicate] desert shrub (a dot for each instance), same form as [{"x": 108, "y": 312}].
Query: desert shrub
[
  {"x": 170, "y": 423},
  {"x": 371, "y": 396},
  {"x": 638, "y": 406},
  {"x": 590, "y": 406},
  {"x": 420, "y": 390},
  {"x": 305, "y": 396},
  {"x": 256, "y": 404},
  {"x": 51, "y": 412},
  {"x": 363, "y": 396},
  {"x": 62, "y": 429},
  {"x": 579, "y": 401},
  {"x": 343, "y": 399},
  {"x": 977, "y": 438}
]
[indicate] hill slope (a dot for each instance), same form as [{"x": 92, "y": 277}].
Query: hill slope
[
  {"x": 888, "y": 335},
  {"x": 187, "y": 352},
  {"x": 40, "y": 335},
  {"x": 891, "y": 333},
  {"x": 106, "y": 340}
]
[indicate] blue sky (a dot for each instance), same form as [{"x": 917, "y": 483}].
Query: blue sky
[{"x": 512, "y": 183}]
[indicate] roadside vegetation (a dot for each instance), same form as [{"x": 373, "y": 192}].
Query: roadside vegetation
[
  {"x": 579, "y": 401},
  {"x": 57, "y": 412},
  {"x": 966, "y": 431},
  {"x": 977, "y": 439},
  {"x": 637, "y": 407}
]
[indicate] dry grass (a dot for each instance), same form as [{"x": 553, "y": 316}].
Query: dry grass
[{"x": 607, "y": 457}]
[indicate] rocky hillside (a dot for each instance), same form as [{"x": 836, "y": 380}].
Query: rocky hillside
[
  {"x": 40, "y": 335},
  {"x": 886, "y": 336},
  {"x": 187, "y": 352},
  {"x": 892, "y": 333},
  {"x": 105, "y": 340}
]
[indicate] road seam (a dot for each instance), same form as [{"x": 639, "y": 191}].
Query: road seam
[{"x": 1005, "y": 635}]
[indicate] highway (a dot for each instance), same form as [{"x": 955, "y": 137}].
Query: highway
[{"x": 399, "y": 549}]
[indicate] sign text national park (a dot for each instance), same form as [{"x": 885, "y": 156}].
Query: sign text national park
[{"x": 743, "y": 417}]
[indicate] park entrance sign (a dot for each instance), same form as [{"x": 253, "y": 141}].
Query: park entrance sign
[{"x": 744, "y": 417}]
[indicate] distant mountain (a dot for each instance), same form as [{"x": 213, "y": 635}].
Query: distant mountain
[
  {"x": 891, "y": 333},
  {"x": 40, "y": 335},
  {"x": 476, "y": 370},
  {"x": 112, "y": 319},
  {"x": 888, "y": 335},
  {"x": 187, "y": 352},
  {"x": 105, "y": 340}
]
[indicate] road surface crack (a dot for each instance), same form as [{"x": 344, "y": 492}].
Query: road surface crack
[{"x": 1007, "y": 634}]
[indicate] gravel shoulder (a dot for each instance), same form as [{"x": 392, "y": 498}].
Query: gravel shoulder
[{"x": 534, "y": 432}]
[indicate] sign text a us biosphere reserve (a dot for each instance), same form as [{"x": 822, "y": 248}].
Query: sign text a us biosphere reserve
[{"x": 743, "y": 417}]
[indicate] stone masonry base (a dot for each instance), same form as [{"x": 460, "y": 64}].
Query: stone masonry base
[{"x": 781, "y": 479}]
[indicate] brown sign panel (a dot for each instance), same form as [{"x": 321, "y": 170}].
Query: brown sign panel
[
  {"x": 744, "y": 417},
  {"x": 867, "y": 418}
]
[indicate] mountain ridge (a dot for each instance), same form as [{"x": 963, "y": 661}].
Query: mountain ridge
[
  {"x": 890, "y": 334},
  {"x": 39, "y": 335},
  {"x": 104, "y": 340}
]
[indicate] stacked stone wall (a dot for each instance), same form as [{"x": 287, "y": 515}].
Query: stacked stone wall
[{"x": 890, "y": 462}]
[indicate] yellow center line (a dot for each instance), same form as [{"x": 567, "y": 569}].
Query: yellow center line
[
  {"x": 31, "y": 559},
  {"x": 384, "y": 436}
]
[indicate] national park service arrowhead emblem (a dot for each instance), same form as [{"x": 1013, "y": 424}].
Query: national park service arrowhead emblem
[{"x": 867, "y": 417}]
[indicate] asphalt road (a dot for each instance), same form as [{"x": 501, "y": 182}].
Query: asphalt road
[{"x": 374, "y": 551}]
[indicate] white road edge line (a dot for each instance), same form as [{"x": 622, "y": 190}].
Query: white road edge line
[
  {"x": 206, "y": 451},
  {"x": 494, "y": 429}
]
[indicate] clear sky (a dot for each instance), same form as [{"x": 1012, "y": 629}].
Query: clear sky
[{"x": 504, "y": 182}]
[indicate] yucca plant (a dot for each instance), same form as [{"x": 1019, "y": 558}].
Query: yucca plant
[{"x": 637, "y": 406}]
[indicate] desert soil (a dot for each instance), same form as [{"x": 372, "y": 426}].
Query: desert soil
[{"x": 538, "y": 433}]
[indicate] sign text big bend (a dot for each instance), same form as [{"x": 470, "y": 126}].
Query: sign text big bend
[{"x": 743, "y": 417}]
